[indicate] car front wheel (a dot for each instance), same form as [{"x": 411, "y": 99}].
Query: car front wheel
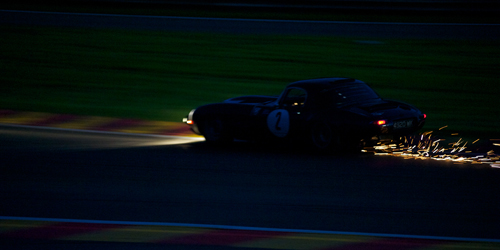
[{"x": 215, "y": 132}]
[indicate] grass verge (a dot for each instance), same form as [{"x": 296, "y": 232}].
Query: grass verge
[{"x": 162, "y": 75}]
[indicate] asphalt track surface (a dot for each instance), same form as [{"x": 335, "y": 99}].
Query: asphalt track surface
[
  {"x": 100, "y": 176},
  {"x": 255, "y": 26}
]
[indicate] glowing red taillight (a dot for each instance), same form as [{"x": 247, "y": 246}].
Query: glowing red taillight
[
  {"x": 425, "y": 116},
  {"x": 381, "y": 122},
  {"x": 190, "y": 122}
]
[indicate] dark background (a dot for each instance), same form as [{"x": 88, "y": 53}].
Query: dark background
[{"x": 452, "y": 10}]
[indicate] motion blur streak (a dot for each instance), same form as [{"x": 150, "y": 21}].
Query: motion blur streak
[
  {"x": 173, "y": 140},
  {"x": 85, "y": 139}
]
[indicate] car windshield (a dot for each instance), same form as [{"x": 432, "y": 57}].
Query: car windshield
[{"x": 351, "y": 92}]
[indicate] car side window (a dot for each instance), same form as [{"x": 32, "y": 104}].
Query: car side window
[{"x": 295, "y": 98}]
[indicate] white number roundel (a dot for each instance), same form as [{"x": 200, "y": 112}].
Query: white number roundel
[{"x": 278, "y": 122}]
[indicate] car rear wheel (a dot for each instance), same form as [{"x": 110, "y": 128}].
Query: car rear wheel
[
  {"x": 322, "y": 136},
  {"x": 215, "y": 132}
]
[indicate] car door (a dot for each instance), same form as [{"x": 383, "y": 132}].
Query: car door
[{"x": 286, "y": 119}]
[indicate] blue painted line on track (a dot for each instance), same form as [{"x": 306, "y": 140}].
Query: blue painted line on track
[{"x": 226, "y": 227}]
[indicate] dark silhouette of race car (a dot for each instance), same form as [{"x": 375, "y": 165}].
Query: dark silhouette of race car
[{"x": 341, "y": 113}]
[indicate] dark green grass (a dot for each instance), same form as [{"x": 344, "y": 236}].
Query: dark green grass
[{"x": 162, "y": 75}]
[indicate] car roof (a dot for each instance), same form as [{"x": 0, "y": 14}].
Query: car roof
[{"x": 322, "y": 83}]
